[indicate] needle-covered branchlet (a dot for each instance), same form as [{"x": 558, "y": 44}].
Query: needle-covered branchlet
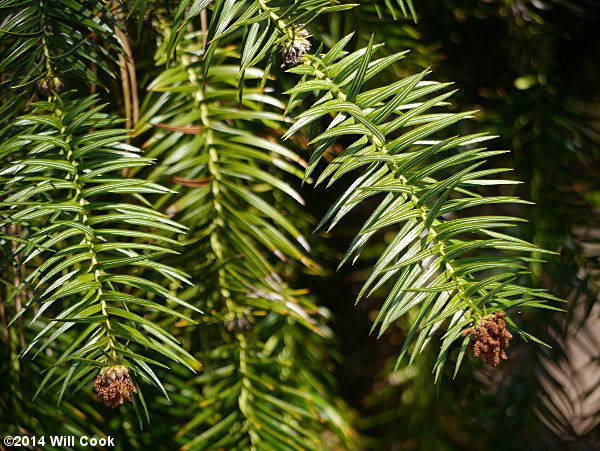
[
  {"x": 114, "y": 386},
  {"x": 491, "y": 338},
  {"x": 297, "y": 46}
]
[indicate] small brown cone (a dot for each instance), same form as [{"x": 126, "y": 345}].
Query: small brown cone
[
  {"x": 114, "y": 386},
  {"x": 491, "y": 338}
]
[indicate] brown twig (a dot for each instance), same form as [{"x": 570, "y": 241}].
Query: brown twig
[
  {"x": 128, "y": 75},
  {"x": 204, "y": 25}
]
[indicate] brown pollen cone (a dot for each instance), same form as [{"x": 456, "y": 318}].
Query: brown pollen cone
[
  {"x": 114, "y": 386},
  {"x": 491, "y": 338}
]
